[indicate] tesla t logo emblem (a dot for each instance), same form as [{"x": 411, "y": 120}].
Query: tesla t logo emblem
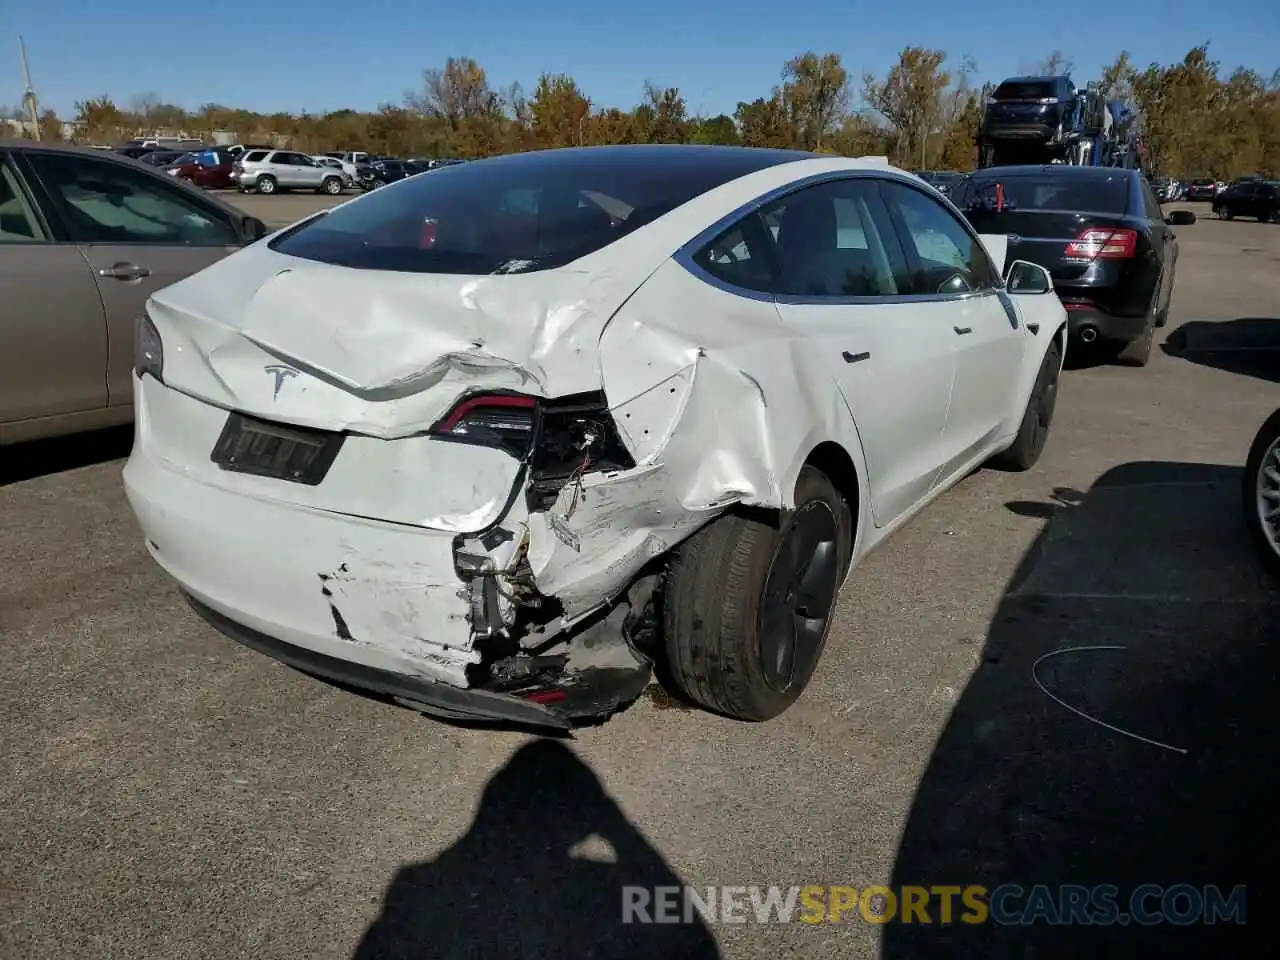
[{"x": 281, "y": 373}]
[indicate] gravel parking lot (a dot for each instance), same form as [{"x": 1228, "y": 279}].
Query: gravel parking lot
[{"x": 168, "y": 794}]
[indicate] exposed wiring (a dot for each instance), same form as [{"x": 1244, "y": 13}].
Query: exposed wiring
[
  {"x": 1080, "y": 713},
  {"x": 593, "y": 431}
]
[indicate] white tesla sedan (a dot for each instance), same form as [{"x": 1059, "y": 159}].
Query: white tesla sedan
[{"x": 494, "y": 441}]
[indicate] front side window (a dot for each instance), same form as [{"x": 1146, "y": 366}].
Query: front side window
[
  {"x": 516, "y": 213},
  {"x": 835, "y": 240},
  {"x": 831, "y": 241},
  {"x": 948, "y": 258},
  {"x": 103, "y": 202}
]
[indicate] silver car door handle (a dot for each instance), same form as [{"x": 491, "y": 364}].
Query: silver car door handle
[
  {"x": 963, "y": 330},
  {"x": 124, "y": 271},
  {"x": 855, "y": 357}
]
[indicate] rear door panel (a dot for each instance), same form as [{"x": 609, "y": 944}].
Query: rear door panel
[
  {"x": 53, "y": 341},
  {"x": 137, "y": 233}
]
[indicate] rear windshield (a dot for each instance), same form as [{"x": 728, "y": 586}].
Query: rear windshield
[
  {"x": 1082, "y": 193},
  {"x": 1203, "y": 183},
  {"x": 1034, "y": 90},
  {"x": 517, "y": 213}
]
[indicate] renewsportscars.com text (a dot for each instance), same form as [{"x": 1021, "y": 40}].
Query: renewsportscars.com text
[{"x": 1005, "y": 905}]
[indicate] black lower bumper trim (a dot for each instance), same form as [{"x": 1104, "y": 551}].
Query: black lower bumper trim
[
  {"x": 1107, "y": 326},
  {"x": 437, "y": 699}
]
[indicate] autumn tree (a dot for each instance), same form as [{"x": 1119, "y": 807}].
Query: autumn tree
[
  {"x": 661, "y": 117},
  {"x": 910, "y": 99},
  {"x": 1178, "y": 102},
  {"x": 764, "y": 122},
  {"x": 559, "y": 112},
  {"x": 101, "y": 118},
  {"x": 815, "y": 95},
  {"x": 718, "y": 130}
]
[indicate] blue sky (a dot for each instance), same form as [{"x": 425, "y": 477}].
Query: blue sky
[{"x": 319, "y": 55}]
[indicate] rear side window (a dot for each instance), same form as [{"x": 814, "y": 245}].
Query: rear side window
[
  {"x": 103, "y": 202},
  {"x": 255, "y": 156},
  {"x": 1102, "y": 193},
  {"x": 516, "y": 213},
  {"x": 1025, "y": 90}
]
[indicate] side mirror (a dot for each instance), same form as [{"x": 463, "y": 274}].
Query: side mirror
[
  {"x": 1180, "y": 218},
  {"x": 1028, "y": 278},
  {"x": 252, "y": 229}
]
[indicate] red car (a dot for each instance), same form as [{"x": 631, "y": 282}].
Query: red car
[{"x": 210, "y": 169}]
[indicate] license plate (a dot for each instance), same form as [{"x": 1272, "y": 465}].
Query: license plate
[{"x": 276, "y": 450}]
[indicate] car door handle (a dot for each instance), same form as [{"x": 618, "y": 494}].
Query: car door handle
[
  {"x": 962, "y": 330},
  {"x": 855, "y": 357},
  {"x": 124, "y": 271}
]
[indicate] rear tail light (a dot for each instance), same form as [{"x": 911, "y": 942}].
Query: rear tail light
[
  {"x": 148, "y": 349},
  {"x": 428, "y": 234},
  {"x": 1104, "y": 244},
  {"x": 503, "y": 420},
  {"x": 563, "y": 439}
]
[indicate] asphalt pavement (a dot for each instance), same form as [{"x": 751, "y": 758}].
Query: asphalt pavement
[{"x": 169, "y": 794}]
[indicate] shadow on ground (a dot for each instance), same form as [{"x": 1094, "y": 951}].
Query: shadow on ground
[
  {"x": 540, "y": 873},
  {"x": 1152, "y": 564},
  {"x": 38, "y": 458},
  {"x": 1248, "y": 345}
]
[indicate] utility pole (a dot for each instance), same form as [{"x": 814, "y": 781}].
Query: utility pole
[{"x": 29, "y": 96}]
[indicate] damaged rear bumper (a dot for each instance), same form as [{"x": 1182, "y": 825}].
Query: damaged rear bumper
[{"x": 557, "y": 708}]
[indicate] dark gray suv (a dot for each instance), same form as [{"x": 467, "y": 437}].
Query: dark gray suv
[{"x": 1031, "y": 108}]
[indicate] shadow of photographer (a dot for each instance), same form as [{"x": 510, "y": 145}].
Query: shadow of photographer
[
  {"x": 540, "y": 873},
  {"x": 1118, "y": 730}
]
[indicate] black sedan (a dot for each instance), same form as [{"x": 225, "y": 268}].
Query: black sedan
[
  {"x": 1202, "y": 189},
  {"x": 1249, "y": 198},
  {"x": 1102, "y": 236}
]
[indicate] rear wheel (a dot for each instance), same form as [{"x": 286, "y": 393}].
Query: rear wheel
[
  {"x": 1036, "y": 420},
  {"x": 1260, "y": 494},
  {"x": 748, "y": 604},
  {"x": 266, "y": 184},
  {"x": 1225, "y": 213},
  {"x": 1137, "y": 352}
]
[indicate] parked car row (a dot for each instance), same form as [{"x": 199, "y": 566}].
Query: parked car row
[{"x": 266, "y": 169}]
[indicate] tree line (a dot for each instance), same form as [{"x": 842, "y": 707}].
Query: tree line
[{"x": 923, "y": 113}]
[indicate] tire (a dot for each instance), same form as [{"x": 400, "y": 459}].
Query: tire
[
  {"x": 188, "y": 180},
  {"x": 1262, "y": 454},
  {"x": 1037, "y": 418},
  {"x": 1225, "y": 213},
  {"x": 267, "y": 184},
  {"x": 719, "y": 653},
  {"x": 332, "y": 186},
  {"x": 1137, "y": 352}
]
